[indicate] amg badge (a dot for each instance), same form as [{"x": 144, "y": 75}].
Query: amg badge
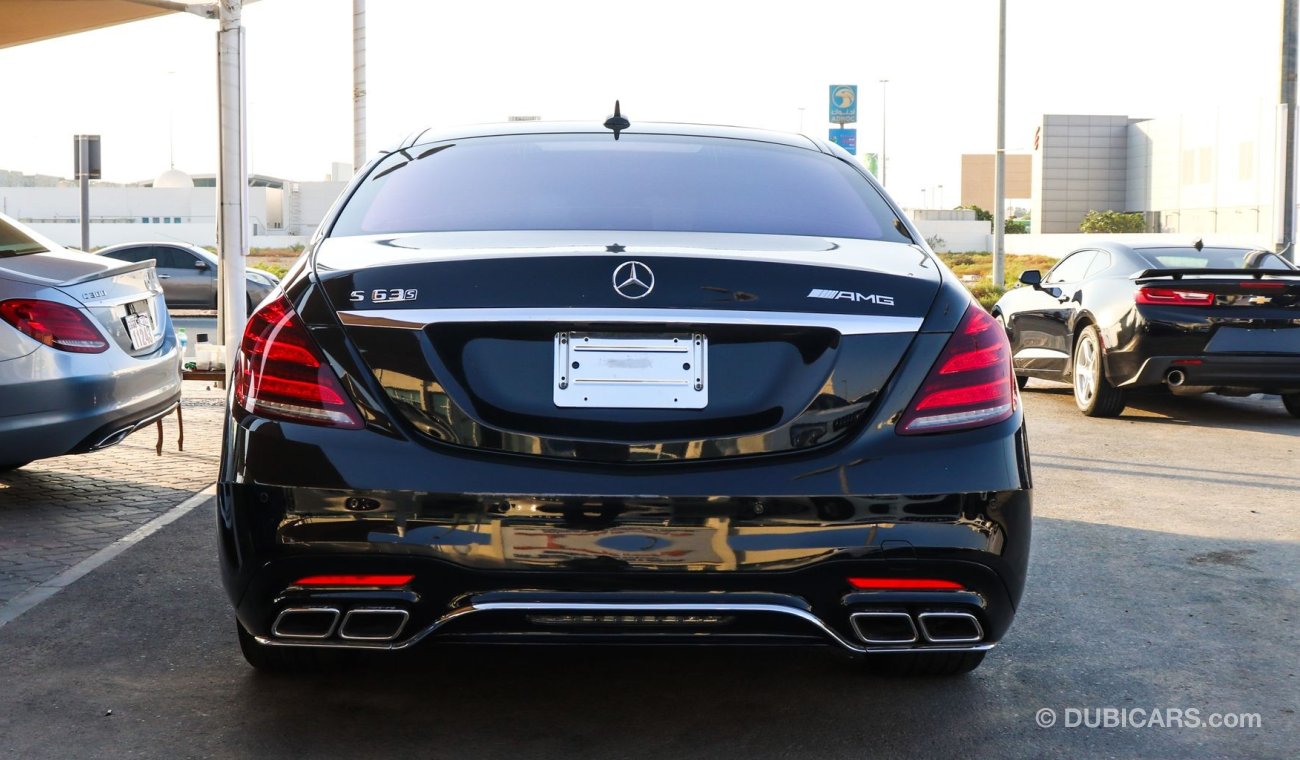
[{"x": 849, "y": 295}]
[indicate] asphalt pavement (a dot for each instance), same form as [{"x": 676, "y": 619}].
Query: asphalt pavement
[{"x": 1164, "y": 578}]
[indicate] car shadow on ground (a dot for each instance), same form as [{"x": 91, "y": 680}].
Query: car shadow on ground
[{"x": 1259, "y": 412}]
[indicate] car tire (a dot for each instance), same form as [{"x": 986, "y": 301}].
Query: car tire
[
  {"x": 911, "y": 664},
  {"x": 272, "y": 659},
  {"x": 12, "y": 467},
  {"x": 1093, "y": 393},
  {"x": 1292, "y": 403}
]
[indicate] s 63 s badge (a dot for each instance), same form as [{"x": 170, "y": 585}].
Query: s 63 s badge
[{"x": 384, "y": 295}]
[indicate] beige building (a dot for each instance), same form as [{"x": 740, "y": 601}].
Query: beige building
[{"x": 977, "y": 178}]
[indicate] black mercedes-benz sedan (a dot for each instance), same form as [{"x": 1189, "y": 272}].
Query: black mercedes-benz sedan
[
  {"x": 642, "y": 383},
  {"x": 1114, "y": 317}
]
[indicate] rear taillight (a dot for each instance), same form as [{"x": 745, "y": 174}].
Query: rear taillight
[
  {"x": 54, "y": 324},
  {"x": 905, "y": 584},
  {"x": 282, "y": 373},
  {"x": 1173, "y": 297},
  {"x": 971, "y": 385},
  {"x": 357, "y": 581}
]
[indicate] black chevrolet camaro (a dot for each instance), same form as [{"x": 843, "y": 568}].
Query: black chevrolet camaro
[
  {"x": 634, "y": 384},
  {"x": 1114, "y": 317}
]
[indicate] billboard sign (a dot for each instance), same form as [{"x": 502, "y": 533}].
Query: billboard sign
[
  {"x": 844, "y": 103},
  {"x": 846, "y": 139}
]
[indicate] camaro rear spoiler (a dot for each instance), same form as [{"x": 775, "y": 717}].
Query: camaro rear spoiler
[{"x": 1178, "y": 274}]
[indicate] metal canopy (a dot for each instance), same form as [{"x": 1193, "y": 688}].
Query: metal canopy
[{"x": 34, "y": 20}]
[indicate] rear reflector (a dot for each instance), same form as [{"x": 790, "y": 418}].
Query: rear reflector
[
  {"x": 353, "y": 581},
  {"x": 905, "y": 584},
  {"x": 284, "y": 375},
  {"x": 971, "y": 385},
  {"x": 1173, "y": 297},
  {"x": 54, "y": 324}
]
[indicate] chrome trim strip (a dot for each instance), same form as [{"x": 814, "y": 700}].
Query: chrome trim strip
[
  {"x": 855, "y": 617},
  {"x": 979, "y": 630},
  {"x": 1041, "y": 353},
  {"x": 343, "y": 629},
  {"x": 844, "y": 324},
  {"x": 275, "y": 627},
  {"x": 724, "y": 608}
]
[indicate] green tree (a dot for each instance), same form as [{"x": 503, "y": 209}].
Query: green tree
[
  {"x": 1113, "y": 221},
  {"x": 980, "y": 214}
]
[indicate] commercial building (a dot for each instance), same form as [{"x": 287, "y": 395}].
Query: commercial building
[
  {"x": 172, "y": 206},
  {"x": 977, "y": 178},
  {"x": 1202, "y": 173}
]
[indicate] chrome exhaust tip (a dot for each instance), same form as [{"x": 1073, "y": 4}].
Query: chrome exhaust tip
[
  {"x": 113, "y": 438},
  {"x": 884, "y": 627},
  {"x": 305, "y": 623},
  {"x": 373, "y": 624},
  {"x": 1175, "y": 378},
  {"x": 950, "y": 627}
]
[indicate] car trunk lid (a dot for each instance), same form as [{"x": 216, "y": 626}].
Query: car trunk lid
[{"x": 477, "y": 339}]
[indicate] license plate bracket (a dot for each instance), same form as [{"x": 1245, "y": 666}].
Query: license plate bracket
[{"x": 631, "y": 370}]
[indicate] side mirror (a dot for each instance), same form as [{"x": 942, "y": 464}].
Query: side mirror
[
  {"x": 1031, "y": 277},
  {"x": 200, "y": 264}
]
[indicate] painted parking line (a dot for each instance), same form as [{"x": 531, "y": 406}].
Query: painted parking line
[{"x": 46, "y": 589}]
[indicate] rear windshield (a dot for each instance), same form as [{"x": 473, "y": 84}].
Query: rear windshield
[
  {"x": 1210, "y": 258},
  {"x": 640, "y": 182},
  {"x": 16, "y": 243}
]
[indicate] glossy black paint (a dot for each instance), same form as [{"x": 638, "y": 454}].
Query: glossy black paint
[
  {"x": 487, "y": 507},
  {"x": 1142, "y": 342}
]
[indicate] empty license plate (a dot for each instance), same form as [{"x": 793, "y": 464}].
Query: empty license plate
[
  {"x": 139, "y": 324},
  {"x": 620, "y": 371}
]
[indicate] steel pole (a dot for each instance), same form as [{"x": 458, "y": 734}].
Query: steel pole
[
  {"x": 358, "y": 84},
  {"x": 1000, "y": 157},
  {"x": 83, "y": 176},
  {"x": 884, "y": 162},
  {"x": 232, "y": 181},
  {"x": 1286, "y": 232}
]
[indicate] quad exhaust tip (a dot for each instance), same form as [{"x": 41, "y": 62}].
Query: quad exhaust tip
[
  {"x": 950, "y": 627},
  {"x": 884, "y": 627},
  {"x": 305, "y": 623},
  {"x": 382, "y": 624}
]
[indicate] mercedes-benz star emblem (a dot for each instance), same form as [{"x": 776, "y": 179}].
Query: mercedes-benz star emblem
[{"x": 632, "y": 279}]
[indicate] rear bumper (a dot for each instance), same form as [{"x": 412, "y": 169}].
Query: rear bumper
[
  {"x": 57, "y": 403},
  {"x": 1263, "y": 373}
]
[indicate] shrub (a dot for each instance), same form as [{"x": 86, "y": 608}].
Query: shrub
[{"x": 1113, "y": 222}]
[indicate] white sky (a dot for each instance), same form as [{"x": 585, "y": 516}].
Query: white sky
[{"x": 713, "y": 61}]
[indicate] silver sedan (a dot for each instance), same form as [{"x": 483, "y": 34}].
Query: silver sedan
[{"x": 87, "y": 351}]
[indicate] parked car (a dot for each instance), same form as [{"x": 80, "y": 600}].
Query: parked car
[
  {"x": 624, "y": 384},
  {"x": 87, "y": 353},
  {"x": 1114, "y": 317},
  {"x": 189, "y": 273}
]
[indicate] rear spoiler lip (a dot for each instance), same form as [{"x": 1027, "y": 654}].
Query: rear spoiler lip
[
  {"x": 1177, "y": 274},
  {"x": 127, "y": 266}
]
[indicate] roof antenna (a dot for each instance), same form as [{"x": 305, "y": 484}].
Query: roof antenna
[
  {"x": 1199, "y": 244},
  {"x": 618, "y": 122}
]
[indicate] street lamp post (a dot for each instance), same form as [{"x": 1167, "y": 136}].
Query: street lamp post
[
  {"x": 1000, "y": 157},
  {"x": 884, "y": 160}
]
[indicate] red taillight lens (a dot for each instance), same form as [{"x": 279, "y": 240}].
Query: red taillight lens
[
  {"x": 282, "y": 373},
  {"x": 905, "y": 584},
  {"x": 346, "y": 581},
  {"x": 1173, "y": 297},
  {"x": 971, "y": 384},
  {"x": 54, "y": 324}
]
